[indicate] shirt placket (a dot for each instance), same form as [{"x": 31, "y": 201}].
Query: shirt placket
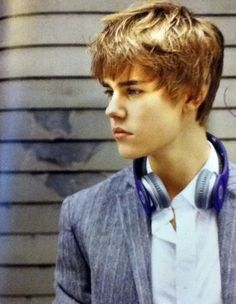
[{"x": 185, "y": 255}]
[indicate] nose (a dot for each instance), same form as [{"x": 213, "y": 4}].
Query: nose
[{"x": 115, "y": 108}]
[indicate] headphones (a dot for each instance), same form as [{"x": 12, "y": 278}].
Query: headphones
[{"x": 153, "y": 194}]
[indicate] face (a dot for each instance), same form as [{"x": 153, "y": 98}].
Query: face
[{"x": 144, "y": 120}]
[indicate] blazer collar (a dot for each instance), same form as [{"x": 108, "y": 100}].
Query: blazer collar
[{"x": 136, "y": 227}]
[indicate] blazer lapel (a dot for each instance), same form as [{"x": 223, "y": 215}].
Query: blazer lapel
[
  {"x": 227, "y": 243},
  {"x": 136, "y": 226}
]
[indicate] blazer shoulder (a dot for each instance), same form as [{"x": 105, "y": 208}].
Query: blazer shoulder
[
  {"x": 112, "y": 185},
  {"x": 232, "y": 178},
  {"x": 100, "y": 193},
  {"x": 232, "y": 168}
]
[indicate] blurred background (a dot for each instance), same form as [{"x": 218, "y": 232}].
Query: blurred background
[{"x": 54, "y": 137}]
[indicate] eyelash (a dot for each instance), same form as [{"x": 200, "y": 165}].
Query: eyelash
[
  {"x": 108, "y": 93},
  {"x": 134, "y": 91},
  {"x": 129, "y": 91}
]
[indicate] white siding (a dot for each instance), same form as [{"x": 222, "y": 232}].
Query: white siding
[{"x": 54, "y": 138}]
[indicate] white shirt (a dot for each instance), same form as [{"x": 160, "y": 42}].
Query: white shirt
[{"x": 185, "y": 262}]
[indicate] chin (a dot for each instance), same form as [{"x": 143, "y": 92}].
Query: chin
[{"x": 128, "y": 153}]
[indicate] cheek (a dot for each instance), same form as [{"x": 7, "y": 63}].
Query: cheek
[
  {"x": 151, "y": 118},
  {"x": 161, "y": 123}
]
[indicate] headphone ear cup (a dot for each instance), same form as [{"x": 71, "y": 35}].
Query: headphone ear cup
[
  {"x": 156, "y": 190},
  {"x": 203, "y": 189}
]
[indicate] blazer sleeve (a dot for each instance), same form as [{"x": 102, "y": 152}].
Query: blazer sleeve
[{"x": 72, "y": 274}]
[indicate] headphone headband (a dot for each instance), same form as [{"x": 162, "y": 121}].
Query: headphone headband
[
  {"x": 220, "y": 186},
  {"x": 152, "y": 193}
]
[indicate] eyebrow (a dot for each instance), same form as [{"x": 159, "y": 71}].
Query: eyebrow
[{"x": 125, "y": 83}]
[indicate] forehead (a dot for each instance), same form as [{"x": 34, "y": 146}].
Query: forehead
[{"x": 131, "y": 72}]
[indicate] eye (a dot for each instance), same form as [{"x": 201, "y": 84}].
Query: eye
[
  {"x": 108, "y": 92},
  {"x": 134, "y": 91}
]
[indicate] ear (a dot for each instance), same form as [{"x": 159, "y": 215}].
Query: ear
[{"x": 192, "y": 103}]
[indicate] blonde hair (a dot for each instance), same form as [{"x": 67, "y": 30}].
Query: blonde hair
[{"x": 178, "y": 48}]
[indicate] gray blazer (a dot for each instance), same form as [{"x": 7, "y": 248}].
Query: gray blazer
[{"x": 104, "y": 249}]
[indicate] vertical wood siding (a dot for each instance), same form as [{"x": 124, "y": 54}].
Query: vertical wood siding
[{"x": 54, "y": 138}]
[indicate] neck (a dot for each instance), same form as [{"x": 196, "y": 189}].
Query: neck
[{"x": 178, "y": 163}]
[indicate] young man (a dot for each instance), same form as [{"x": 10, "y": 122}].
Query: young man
[{"x": 164, "y": 230}]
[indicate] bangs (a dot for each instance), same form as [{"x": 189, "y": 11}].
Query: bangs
[
  {"x": 118, "y": 46},
  {"x": 108, "y": 67},
  {"x": 112, "y": 53}
]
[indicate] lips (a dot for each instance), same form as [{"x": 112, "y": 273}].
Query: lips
[{"x": 120, "y": 133}]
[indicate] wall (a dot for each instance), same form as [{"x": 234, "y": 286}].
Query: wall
[{"x": 54, "y": 138}]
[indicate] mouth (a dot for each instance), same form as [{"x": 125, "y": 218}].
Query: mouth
[{"x": 120, "y": 133}]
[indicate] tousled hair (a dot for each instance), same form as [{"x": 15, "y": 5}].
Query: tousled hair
[{"x": 180, "y": 49}]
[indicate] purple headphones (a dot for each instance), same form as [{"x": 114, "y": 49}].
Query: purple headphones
[{"x": 153, "y": 194}]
